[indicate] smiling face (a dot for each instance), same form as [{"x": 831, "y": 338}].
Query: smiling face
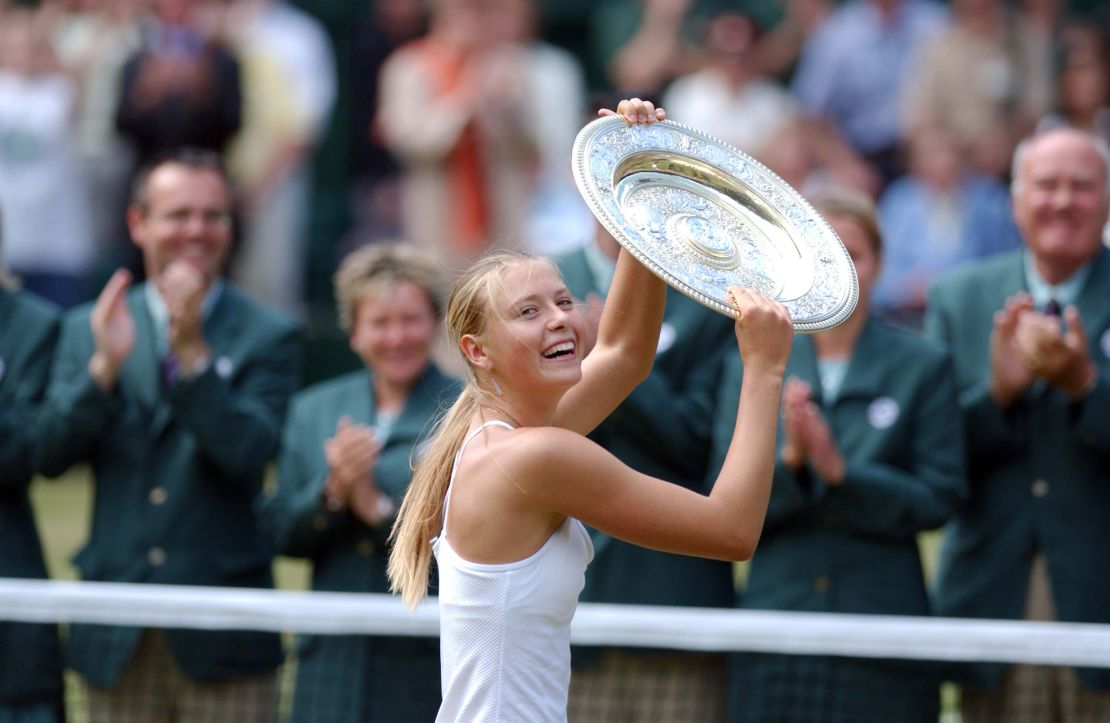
[
  {"x": 186, "y": 216},
  {"x": 392, "y": 332},
  {"x": 530, "y": 339},
  {"x": 1060, "y": 201}
]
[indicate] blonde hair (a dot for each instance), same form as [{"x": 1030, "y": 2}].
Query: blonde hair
[
  {"x": 421, "y": 513},
  {"x": 383, "y": 267}
]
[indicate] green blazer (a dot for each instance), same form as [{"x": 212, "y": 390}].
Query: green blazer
[
  {"x": 176, "y": 472},
  {"x": 852, "y": 548},
  {"x": 662, "y": 429},
  {"x": 379, "y": 678},
  {"x": 30, "y": 660},
  {"x": 1039, "y": 472}
]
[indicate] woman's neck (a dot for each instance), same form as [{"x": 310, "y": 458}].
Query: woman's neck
[{"x": 390, "y": 397}]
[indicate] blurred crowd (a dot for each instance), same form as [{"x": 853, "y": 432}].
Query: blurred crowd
[
  {"x": 278, "y": 172},
  {"x": 419, "y": 119}
]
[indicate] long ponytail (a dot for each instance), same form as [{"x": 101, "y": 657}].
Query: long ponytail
[{"x": 421, "y": 515}]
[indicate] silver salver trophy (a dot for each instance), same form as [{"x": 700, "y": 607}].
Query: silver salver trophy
[{"x": 704, "y": 216}]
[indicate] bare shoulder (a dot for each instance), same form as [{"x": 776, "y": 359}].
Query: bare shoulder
[{"x": 537, "y": 448}]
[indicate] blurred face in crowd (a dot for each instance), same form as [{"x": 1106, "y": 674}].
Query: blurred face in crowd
[
  {"x": 463, "y": 23},
  {"x": 392, "y": 332},
  {"x": 186, "y": 216},
  {"x": 1060, "y": 201},
  {"x": 861, "y": 248},
  {"x": 935, "y": 158}
]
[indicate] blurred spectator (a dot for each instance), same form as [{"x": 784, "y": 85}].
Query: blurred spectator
[
  {"x": 389, "y": 25},
  {"x": 657, "y": 51},
  {"x": 344, "y": 467},
  {"x": 785, "y": 40},
  {"x": 175, "y": 393},
  {"x": 635, "y": 685},
  {"x": 454, "y": 110},
  {"x": 939, "y": 216},
  {"x": 730, "y": 80},
  {"x": 1030, "y": 337},
  {"x": 811, "y": 157},
  {"x": 985, "y": 80},
  {"x": 289, "y": 88},
  {"x": 46, "y": 224},
  {"x": 182, "y": 87},
  {"x": 870, "y": 454},
  {"x": 644, "y": 44},
  {"x": 1082, "y": 82},
  {"x": 558, "y": 220},
  {"x": 854, "y": 69},
  {"x": 31, "y": 681},
  {"x": 93, "y": 41},
  {"x": 1083, "y": 86}
]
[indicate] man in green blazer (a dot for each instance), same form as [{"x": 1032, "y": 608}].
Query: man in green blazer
[
  {"x": 175, "y": 392},
  {"x": 30, "y": 660},
  {"x": 661, "y": 429},
  {"x": 1030, "y": 338}
]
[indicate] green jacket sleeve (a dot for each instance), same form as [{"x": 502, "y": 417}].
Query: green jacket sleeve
[
  {"x": 77, "y": 412},
  {"x": 19, "y": 412}
]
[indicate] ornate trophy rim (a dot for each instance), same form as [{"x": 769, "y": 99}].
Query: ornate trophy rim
[{"x": 678, "y": 200}]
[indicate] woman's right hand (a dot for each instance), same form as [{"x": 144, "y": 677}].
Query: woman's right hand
[{"x": 763, "y": 330}]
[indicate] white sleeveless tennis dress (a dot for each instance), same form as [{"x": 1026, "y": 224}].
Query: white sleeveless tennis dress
[{"x": 505, "y": 629}]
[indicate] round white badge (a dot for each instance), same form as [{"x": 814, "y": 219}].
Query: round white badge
[
  {"x": 883, "y": 412},
  {"x": 1104, "y": 342},
  {"x": 223, "y": 367},
  {"x": 667, "y": 335}
]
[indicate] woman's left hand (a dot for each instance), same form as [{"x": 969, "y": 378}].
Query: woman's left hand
[{"x": 635, "y": 111}]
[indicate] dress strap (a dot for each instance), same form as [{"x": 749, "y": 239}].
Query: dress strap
[{"x": 455, "y": 466}]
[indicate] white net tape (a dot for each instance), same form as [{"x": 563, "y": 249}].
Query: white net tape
[{"x": 700, "y": 629}]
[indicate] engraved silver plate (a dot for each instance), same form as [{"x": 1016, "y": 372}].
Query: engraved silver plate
[{"x": 704, "y": 216}]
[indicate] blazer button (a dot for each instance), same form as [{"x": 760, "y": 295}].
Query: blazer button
[
  {"x": 1040, "y": 488},
  {"x": 156, "y": 556},
  {"x": 158, "y": 496},
  {"x": 821, "y": 584},
  {"x": 366, "y": 548}
]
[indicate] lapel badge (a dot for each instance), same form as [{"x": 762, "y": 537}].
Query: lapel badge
[
  {"x": 223, "y": 367},
  {"x": 883, "y": 413},
  {"x": 1104, "y": 343},
  {"x": 667, "y": 336}
]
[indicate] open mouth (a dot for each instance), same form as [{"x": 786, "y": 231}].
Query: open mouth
[{"x": 562, "y": 350}]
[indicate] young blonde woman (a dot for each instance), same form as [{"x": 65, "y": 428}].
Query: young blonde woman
[{"x": 500, "y": 496}]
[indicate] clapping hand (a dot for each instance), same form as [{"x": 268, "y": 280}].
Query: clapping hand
[
  {"x": 351, "y": 455},
  {"x": 1011, "y": 374},
  {"x": 182, "y": 288},
  {"x": 808, "y": 437},
  {"x": 113, "y": 331},
  {"x": 1058, "y": 354}
]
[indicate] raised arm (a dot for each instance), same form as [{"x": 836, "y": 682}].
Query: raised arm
[
  {"x": 629, "y": 329},
  {"x": 586, "y": 482}
]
